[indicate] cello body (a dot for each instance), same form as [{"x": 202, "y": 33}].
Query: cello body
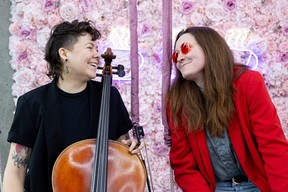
[{"x": 73, "y": 167}]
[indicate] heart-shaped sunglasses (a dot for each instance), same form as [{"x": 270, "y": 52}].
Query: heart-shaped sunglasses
[{"x": 185, "y": 48}]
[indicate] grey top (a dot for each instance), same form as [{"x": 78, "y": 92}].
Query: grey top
[{"x": 223, "y": 158}]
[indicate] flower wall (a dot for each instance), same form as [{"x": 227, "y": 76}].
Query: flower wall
[{"x": 256, "y": 31}]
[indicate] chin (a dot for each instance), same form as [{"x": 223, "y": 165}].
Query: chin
[
  {"x": 186, "y": 76},
  {"x": 90, "y": 78},
  {"x": 92, "y": 75}
]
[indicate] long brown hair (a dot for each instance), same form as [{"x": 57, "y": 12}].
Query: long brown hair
[{"x": 212, "y": 108}]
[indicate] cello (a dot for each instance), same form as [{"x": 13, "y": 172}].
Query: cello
[{"x": 99, "y": 165}]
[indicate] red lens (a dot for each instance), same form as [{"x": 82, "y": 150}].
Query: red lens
[
  {"x": 175, "y": 57},
  {"x": 185, "y": 48}
]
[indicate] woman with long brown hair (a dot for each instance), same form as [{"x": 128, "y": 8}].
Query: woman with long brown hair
[{"x": 225, "y": 131}]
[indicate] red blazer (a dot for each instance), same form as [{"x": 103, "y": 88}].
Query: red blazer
[{"x": 255, "y": 133}]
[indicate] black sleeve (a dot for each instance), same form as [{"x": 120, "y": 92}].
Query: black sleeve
[
  {"x": 23, "y": 128},
  {"x": 120, "y": 122}
]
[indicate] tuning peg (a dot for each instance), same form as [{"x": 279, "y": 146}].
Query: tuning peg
[
  {"x": 121, "y": 73},
  {"x": 119, "y": 67}
]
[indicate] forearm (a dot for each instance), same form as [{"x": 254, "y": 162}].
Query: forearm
[
  {"x": 12, "y": 182},
  {"x": 16, "y": 168}
]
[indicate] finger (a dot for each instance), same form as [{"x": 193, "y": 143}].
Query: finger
[
  {"x": 126, "y": 142},
  {"x": 135, "y": 151},
  {"x": 132, "y": 145},
  {"x": 142, "y": 145}
]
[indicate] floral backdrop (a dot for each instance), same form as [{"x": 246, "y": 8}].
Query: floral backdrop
[{"x": 255, "y": 30}]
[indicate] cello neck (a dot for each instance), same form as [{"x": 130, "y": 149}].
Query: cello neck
[{"x": 99, "y": 174}]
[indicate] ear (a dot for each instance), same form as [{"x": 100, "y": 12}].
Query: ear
[{"x": 63, "y": 53}]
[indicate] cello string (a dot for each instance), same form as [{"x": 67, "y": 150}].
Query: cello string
[
  {"x": 105, "y": 133},
  {"x": 95, "y": 173},
  {"x": 102, "y": 164}
]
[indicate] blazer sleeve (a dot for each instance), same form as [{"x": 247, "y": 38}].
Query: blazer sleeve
[
  {"x": 187, "y": 174},
  {"x": 267, "y": 130},
  {"x": 120, "y": 116},
  {"x": 23, "y": 127}
]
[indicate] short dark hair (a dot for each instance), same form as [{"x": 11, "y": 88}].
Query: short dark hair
[{"x": 66, "y": 35}]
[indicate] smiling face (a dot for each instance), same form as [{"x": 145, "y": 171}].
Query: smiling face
[
  {"x": 190, "y": 59},
  {"x": 82, "y": 59}
]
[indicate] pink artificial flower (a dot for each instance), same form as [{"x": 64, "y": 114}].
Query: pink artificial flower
[
  {"x": 157, "y": 57},
  {"x": 14, "y": 28},
  {"x": 42, "y": 67},
  {"x": 53, "y": 19},
  {"x": 258, "y": 45},
  {"x": 43, "y": 36},
  {"x": 283, "y": 46},
  {"x": 86, "y": 5},
  {"x": 215, "y": 12},
  {"x": 18, "y": 90},
  {"x": 22, "y": 57},
  {"x": 68, "y": 12},
  {"x": 41, "y": 79},
  {"x": 196, "y": 18},
  {"x": 284, "y": 29},
  {"x": 281, "y": 10},
  {"x": 49, "y": 5},
  {"x": 21, "y": 48},
  {"x": 261, "y": 20},
  {"x": 24, "y": 77},
  {"x": 230, "y": 4},
  {"x": 285, "y": 86},
  {"x": 282, "y": 57},
  {"x": 20, "y": 9},
  {"x": 25, "y": 33},
  {"x": 160, "y": 150},
  {"x": 145, "y": 29},
  {"x": 186, "y": 7}
]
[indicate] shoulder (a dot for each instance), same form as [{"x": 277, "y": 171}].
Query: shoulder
[
  {"x": 249, "y": 78},
  {"x": 35, "y": 94},
  {"x": 250, "y": 87}
]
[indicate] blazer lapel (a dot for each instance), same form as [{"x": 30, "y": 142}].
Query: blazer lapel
[
  {"x": 52, "y": 117},
  {"x": 95, "y": 94},
  {"x": 236, "y": 138}
]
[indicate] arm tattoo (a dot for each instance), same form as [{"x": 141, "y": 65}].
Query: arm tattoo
[{"x": 21, "y": 156}]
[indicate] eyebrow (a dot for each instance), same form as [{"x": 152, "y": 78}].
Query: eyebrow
[{"x": 89, "y": 43}]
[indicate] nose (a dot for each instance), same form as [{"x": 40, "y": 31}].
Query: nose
[
  {"x": 181, "y": 57},
  {"x": 96, "y": 54}
]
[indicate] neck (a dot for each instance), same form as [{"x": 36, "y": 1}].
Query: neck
[
  {"x": 70, "y": 86},
  {"x": 200, "y": 85}
]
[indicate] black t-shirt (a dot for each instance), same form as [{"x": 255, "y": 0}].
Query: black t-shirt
[
  {"x": 75, "y": 116},
  {"x": 38, "y": 124}
]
